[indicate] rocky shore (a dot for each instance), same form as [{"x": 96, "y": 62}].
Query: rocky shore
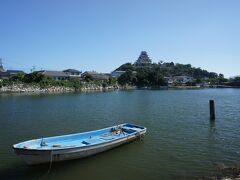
[
  {"x": 225, "y": 173},
  {"x": 22, "y": 88},
  {"x": 25, "y": 88}
]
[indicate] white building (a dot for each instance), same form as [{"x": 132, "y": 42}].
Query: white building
[
  {"x": 182, "y": 79},
  {"x": 179, "y": 79},
  {"x": 116, "y": 74}
]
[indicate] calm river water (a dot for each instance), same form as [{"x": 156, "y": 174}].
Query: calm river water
[{"x": 181, "y": 142}]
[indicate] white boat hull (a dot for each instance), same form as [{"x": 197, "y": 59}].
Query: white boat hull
[{"x": 32, "y": 157}]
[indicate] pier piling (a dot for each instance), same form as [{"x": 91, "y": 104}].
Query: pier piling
[{"x": 212, "y": 109}]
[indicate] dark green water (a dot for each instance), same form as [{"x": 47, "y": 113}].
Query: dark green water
[{"x": 180, "y": 143}]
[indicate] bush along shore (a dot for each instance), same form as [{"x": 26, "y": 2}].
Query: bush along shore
[{"x": 38, "y": 83}]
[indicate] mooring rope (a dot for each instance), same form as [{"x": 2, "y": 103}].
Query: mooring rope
[
  {"x": 50, "y": 165},
  {"x": 141, "y": 136}
]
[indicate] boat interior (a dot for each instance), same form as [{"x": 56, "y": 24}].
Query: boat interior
[{"x": 81, "y": 139}]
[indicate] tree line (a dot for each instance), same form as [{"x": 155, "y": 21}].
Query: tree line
[{"x": 155, "y": 74}]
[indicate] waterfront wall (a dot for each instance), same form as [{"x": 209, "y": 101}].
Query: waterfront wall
[
  {"x": 24, "y": 88},
  {"x": 27, "y": 88}
]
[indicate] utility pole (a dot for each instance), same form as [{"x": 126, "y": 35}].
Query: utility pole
[
  {"x": 33, "y": 69},
  {"x": 1, "y": 65},
  {"x": 1, "y": 62}
]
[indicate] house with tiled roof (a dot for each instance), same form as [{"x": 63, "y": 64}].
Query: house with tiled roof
[
  {"x": 56, "y": 75},
  {"x": 96, "y": 75},
  {"x": 73, "y": 73}
]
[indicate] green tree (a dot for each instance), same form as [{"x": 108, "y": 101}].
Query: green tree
[
  {"x": 75, "y": 83},
  {"x": 155, "y": 78},
  {"x": 142, "y": 78},
  {"x": 34, "y": 77},
  {"x": 88, "y": 78},
  {"x": 236, "y": 79},
  {"x": 126, "y": 78},
  {"x": 18, "y": 77},
  {"x": 112, "y": 81},
  {"x": 221, "y": 79},
  {"x": 125, "y": 67}
]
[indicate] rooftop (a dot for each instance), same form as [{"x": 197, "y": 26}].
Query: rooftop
[
  {"x": 72, "y": 70},
  {"x": 14, "y": 71},
  {"x": 53, "y": 73}
]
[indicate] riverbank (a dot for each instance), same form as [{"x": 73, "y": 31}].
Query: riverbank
[
  {"x": 26, "y": 88},
  {"x": 87, "y": 87},
  {"x": 185, "y": 87}
]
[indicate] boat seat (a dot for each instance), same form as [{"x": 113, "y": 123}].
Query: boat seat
[
  {"x": 92, "y": 141},
  {"x": 128, "y": 130},
  {"x": 132, "y": 128},
  {"x": 108, "y": 138}
]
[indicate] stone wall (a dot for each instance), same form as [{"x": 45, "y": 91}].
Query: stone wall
[{"x": 25, "y": 88}]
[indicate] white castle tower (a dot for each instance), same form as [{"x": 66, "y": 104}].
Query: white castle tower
[{"x": 143, "y": 59}]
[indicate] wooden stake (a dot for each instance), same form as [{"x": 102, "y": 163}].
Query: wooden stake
[{"x": 212, "y": 109}]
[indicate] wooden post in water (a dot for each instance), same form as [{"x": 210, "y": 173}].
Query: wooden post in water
[{"x": 212, "y": 109}]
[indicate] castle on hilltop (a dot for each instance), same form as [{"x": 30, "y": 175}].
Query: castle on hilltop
[{"x": 143, "y": 60}]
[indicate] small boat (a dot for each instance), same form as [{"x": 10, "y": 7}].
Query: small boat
[{"x": 74, "y": 146}]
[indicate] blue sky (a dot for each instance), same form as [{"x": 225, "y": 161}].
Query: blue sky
[{"x": 103, "y": 34}]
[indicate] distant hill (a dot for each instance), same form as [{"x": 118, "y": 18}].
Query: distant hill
[
  {"x": 171, "y": 69},
  {"x": 166, "y": 69},
  {"x": 153, "y": 75}
]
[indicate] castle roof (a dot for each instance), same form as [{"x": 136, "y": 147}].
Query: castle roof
[{"x": 143, "y": 59}]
